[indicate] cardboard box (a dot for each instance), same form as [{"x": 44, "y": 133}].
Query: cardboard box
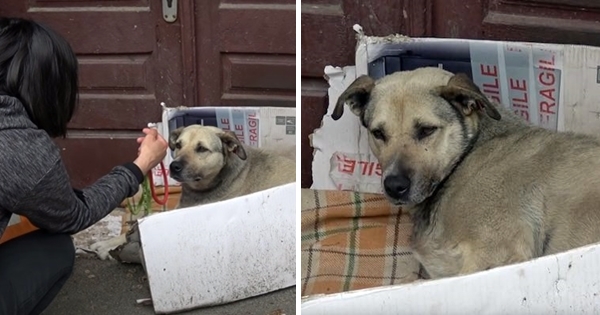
[
  {"x": 264, "y": 127},
  {"x": 554, "y": 86},
  {"x": 221, "y": 252}
]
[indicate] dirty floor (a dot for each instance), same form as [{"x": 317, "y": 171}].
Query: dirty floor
[{"x": 110, "y": 288}]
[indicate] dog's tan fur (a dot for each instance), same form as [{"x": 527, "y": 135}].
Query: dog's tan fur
[
  {"x": 224, "y": 168},
  {"x": 486, "y": 188}
]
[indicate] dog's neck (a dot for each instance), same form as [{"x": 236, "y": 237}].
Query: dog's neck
[{"x": 423, "y": 214}]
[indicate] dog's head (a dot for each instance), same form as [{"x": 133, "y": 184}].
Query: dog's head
[
  {"x": 420, "y": 123},
  {"x": 201, "y": 152}
]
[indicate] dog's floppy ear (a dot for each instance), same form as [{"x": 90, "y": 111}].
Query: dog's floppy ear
[
  {"x": 232, "y": 144},
  {"x": 462, "y": 93},
  {"x": 173, "y": 137},
  {"x": 355, "y": 96}
]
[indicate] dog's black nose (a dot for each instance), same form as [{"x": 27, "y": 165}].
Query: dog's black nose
[
  {"x": 175, "y": 167},
  {"x": 396, "y": 185}
]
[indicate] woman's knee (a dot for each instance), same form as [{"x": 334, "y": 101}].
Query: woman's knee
[
  {"x": 65, "y": 249},
  {"x": 55, "y": 252},
  {"x": 33, "y": 268}
]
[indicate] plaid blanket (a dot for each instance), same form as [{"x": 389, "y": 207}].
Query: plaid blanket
[{"x": 353, "y": 241}]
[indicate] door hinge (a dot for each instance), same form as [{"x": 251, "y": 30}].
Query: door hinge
[{"x": 169, "y": 10}]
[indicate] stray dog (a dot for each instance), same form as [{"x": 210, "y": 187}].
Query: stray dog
[
  {"x": 212, "y": 165},
  {"x": 484, "y": 187}
]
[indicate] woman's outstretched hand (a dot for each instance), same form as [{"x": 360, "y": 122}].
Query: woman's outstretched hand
[{"x": 152, "y": 150}]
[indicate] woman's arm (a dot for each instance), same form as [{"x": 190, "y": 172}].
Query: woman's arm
[
  {"x": 34, "y": 182},
  {"x": 53, "y": 205}
]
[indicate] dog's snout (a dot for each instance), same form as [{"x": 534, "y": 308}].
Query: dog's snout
[
  {"x": 175, "y": 167},
  {"x": 396, "y": 185}
]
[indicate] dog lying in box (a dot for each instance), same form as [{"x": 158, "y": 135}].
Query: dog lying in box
[
  {"x": 212, "y": 165},
  {"x": 484, "y": 187}
]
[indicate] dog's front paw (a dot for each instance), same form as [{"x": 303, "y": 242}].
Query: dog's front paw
[{"x": 103, "y": 248}]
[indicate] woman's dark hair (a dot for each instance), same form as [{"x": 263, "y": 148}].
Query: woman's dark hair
[{"x": 38, "y": 67}]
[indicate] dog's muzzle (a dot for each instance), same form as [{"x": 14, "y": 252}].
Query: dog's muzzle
[
  {"x": 176, "y": 170},
  {"x": 397, "y": 186}
]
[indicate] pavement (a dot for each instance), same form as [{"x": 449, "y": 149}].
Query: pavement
[{"x": 111, "y": 288}]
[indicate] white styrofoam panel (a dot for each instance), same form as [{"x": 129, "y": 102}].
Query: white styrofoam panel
[
  {"x": 221, "y": 252},
  {"x": 566, "y": 283}
]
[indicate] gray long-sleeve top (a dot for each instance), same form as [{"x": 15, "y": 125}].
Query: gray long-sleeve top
[{"x": 34, "y": 182}]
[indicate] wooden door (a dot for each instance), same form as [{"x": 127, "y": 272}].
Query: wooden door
[
  {"x": 246, "y": 52},
  {"x": 217, "y": 52},
  {"x": 544, "y": 21},
  {"x": 129, "y": 60},
  {"x": 330, "y": 21}
]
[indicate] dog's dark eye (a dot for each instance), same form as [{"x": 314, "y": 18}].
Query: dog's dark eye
[
  {"x": 201, "y": 149},
  {"x": 378, "y": 134},
  {"x": 178, "y": 145},
  {"x": 425, "y": 131}
]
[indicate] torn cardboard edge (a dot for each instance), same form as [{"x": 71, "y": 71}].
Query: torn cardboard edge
[
  {"x": 342, "y": 142},
  {"x": 552, "y": 86}
]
